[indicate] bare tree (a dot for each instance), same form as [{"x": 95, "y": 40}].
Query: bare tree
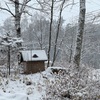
[
  {"x": 57, "y": 33},
  {"x": 50, "y": 32},
  {"x": 18, "y": 13},
  {"x": 49, "y": 7},
  {"x": 77, "y": 56}
]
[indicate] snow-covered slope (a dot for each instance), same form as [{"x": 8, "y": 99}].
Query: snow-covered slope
[
  {"x": 30, "y": 87},
  {"x": 23, "y": 87}
]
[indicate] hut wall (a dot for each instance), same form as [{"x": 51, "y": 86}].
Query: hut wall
[{"x": 34, "y": 67}]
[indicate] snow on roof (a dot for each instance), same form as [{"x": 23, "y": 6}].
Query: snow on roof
[{"x": 34, "y": 55}]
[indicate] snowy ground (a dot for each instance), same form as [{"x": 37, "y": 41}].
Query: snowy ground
[
  {"x": 29, "y": 87},
  {"x": 23, "y": 87}
]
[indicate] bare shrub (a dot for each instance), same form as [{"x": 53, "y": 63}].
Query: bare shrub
[{"x": 73, "y": 85}]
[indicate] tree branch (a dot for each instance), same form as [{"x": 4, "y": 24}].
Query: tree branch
[
  {"x": 7, "y": 11},
  {"x": 24, "y": 5}
]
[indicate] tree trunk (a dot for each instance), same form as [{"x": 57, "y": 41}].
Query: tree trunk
[
  {"x": 17, "y": 20},
  {"x": 77, "y": 57},
  {"x": 57, "y": 33},
  {"x": 50, "y": 31},
  {"x": 71, "y": 52},
  {"x": 8, "y": 62}
]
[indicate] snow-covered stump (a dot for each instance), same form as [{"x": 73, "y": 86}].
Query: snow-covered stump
[{"x": 46, "y": 62}]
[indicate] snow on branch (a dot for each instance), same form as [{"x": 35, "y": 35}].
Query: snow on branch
[{"x": 7, "y": 40}]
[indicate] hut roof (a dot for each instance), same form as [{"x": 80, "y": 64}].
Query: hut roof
[{"x": 33, "y": 55}]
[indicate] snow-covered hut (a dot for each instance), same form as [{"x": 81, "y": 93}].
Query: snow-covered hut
[{"x": 32, "y": 60}]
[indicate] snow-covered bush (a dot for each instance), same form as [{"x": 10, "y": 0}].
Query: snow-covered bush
[
  {"x": 27, "y": 81},
  {"x": 73, "y": 85}
]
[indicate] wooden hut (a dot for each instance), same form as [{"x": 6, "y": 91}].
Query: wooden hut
[{"x": 32, "y": 60}]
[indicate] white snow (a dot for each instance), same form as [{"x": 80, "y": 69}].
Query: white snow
[
  {"x": 10, "y": 41},
  {"x": 15, "y": 88},
  {"x": 95, "y": 74}
]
